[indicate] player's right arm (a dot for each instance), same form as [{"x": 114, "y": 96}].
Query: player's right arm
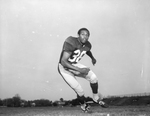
[{"x": 65, "y": 63}]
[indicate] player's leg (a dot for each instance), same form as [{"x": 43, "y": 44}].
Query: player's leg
[
  {"x": 92, "y": 78},
  {"x": 70, "y": 79},
  {"x": 73, "y": 83}
]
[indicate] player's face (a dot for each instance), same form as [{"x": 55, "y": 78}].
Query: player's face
[{"x": 83, "y": 36}]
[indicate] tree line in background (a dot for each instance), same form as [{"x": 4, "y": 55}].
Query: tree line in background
[{"x": 16, "y": 101}]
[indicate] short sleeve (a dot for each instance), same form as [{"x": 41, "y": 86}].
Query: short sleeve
[{"x": 68, "y": 47}]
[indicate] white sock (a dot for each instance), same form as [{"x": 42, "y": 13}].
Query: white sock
[{"x": 95, "y": 97}]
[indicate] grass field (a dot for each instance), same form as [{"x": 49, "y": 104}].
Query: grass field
[{"x": 76, "y": 111}]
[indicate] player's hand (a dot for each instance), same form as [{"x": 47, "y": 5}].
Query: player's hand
[
  {"x": 93, "y": 61},
  {"x": 84, "y": 71}
]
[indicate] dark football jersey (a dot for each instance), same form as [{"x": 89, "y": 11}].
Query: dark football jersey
[{"x": 76, "y": 49}]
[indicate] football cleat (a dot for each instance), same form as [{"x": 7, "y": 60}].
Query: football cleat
[
  {"x": 85, "y": 107},
  {"x": 102, "y": 103}
]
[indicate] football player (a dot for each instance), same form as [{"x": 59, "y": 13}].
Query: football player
[{"x": 74, "y": 48}]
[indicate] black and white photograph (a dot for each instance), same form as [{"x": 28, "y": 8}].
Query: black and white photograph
[{"x": 74, "y": 57}]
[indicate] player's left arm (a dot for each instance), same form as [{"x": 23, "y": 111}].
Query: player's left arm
[{"x": 89, "y": 53}]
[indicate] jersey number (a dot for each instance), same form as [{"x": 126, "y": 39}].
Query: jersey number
[{"x": 77, "y": 56}]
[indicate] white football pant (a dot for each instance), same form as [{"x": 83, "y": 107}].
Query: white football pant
[{"x": 71, "y": 80}]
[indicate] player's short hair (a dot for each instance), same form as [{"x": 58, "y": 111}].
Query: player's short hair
[{"x": 82, "y": 30}]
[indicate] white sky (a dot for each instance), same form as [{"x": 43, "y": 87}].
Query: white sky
[{"x": 32, "y": 33}]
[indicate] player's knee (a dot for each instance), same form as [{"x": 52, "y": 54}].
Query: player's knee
[{"x": 94, "y": 78}]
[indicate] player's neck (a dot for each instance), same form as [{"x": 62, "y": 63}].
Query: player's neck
[{"x": 80, "y": 41}]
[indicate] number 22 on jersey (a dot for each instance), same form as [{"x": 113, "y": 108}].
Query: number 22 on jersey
[{"x": 77, "y": 55}]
